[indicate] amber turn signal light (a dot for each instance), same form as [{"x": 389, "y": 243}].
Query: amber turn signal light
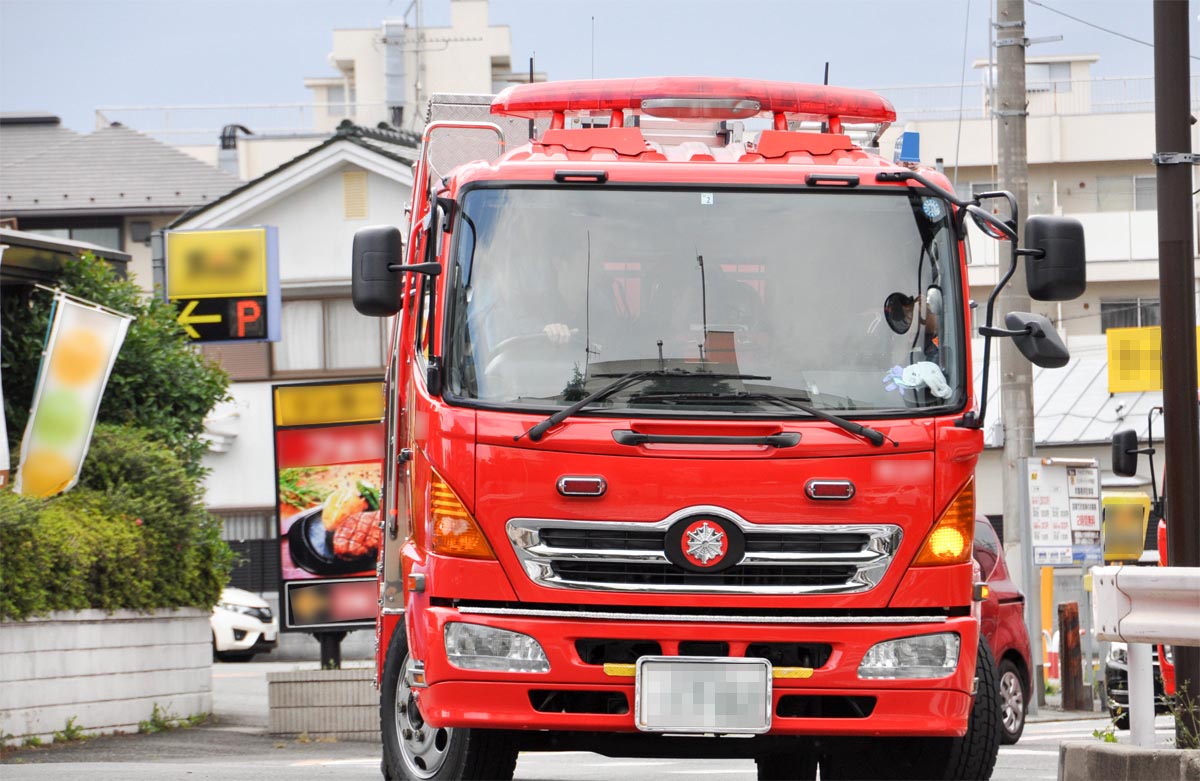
[
  {"x": 952, "y": 536},
  {"x": 455, "y": 532}
]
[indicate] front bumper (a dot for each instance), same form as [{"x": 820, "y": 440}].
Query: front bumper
[
  {"x": 503, "y": 700},
  {"x": 237, "y": 633},
  {"x": 1116, "y": 687}
]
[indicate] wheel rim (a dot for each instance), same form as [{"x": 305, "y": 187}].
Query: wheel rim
[
  {"x": 1012, "y": 699},
  {"x": 423, "y": 748}
]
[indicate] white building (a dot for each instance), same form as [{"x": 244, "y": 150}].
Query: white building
[
  {"x": 387, "y": 74},
  {"x": 1090, "y": 143},
  {"x": 382, "y": 75},
  {"x": 317, "y": 201}
]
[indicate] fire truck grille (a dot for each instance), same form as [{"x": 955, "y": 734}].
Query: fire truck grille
[{"x": 779, "y": 559}]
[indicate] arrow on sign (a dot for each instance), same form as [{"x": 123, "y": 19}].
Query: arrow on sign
[{"x": 186, "y": 318}]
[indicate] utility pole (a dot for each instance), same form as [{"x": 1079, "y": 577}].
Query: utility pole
[
  {"x": 1016, "y": 374},
  {"x": 1176, "y": 283}
]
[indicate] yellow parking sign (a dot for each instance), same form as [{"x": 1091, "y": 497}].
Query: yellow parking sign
[
  {"x": 1135, "y": 359},
  {"x": 1124, "y": 525}
]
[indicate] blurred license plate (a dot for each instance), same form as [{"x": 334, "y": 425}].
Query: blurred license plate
[{"x": 678, "y": 694}]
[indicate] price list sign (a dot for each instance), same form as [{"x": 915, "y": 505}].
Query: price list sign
[{"x": 1064, "y": 512}]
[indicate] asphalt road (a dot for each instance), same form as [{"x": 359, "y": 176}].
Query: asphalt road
[{"x": 235, "y": 747}]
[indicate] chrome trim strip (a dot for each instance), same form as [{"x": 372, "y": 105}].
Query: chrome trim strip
[
  {"x": 691, "y": 618},
  {"x": 871, "y": 562}
]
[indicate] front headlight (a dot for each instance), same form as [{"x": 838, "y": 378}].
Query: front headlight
[
  {"x": 478, "y": 647},
  {"x": 924, "y": 656},
  {"x": 243, "y": 609}
]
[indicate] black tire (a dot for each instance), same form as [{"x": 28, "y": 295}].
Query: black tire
[
  {"x": 787, "y": 767},
  {"x": 969, "y": 758},
  {"x": 445, "y": 753},
  {"x": 234, "y": 656},
  {"x": 1014, "y": 701},
  {"x": 1120, "y": 717}
]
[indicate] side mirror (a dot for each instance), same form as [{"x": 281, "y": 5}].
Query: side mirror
[
  {"x": 1125, "y": 447},
  {"x": 1060, "y": 274},
  {"x": 376, "y": 290},
  {"x": 1038, "y": 341}
]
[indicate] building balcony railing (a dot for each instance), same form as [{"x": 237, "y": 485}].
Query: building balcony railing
[{"x": 1062, "y": 98}]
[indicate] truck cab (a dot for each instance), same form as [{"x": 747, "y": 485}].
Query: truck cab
[{"x": 682, "y": 437}]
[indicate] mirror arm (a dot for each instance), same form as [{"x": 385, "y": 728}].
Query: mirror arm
[
  {"x": 1150, "y": 453},
  {"x": 987, "y": 330},
  {"x": 969, "y": 418},
  {"x": 431, "y": 269}
]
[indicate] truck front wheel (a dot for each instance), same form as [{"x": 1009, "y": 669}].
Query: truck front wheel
[
  {"x": 973, "y": 756},
  {"x": 416, "y": 751}
]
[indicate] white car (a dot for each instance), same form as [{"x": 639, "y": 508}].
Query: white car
[{"x": 242, "y": 626}]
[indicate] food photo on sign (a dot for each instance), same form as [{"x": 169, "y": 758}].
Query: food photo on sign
[{"x": 328, "y": 446}]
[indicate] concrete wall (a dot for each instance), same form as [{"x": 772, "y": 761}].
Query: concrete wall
[
  {"x": 107, "y": 671},
  {"x": 327, "y": 703}
]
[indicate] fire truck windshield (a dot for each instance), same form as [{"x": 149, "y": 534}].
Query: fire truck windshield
[{"x": 843, "y": 300}]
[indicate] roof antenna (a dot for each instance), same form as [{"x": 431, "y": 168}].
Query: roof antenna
[
  {"x": 825, "y": 125},
  {"x": 531, "y": 81},
  {"x": 593, "y": 47}
]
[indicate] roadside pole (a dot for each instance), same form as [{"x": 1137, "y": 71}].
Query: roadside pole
[
  {"x": 1176, "y": 281},
  {"x": 1016, "y": 374}
]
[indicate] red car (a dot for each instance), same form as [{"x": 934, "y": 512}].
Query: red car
[{"x": 1003, "y": 622}]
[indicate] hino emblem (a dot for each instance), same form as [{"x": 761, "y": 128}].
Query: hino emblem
[{"x": 704, "y": 543}]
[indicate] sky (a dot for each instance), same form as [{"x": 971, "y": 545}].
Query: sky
[{"x": 71, "y": 57}]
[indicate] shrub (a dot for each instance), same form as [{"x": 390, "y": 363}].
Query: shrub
[{"x": 132, "y": 535}]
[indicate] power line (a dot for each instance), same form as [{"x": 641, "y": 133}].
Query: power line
[{"x": 1098, "y": 27}]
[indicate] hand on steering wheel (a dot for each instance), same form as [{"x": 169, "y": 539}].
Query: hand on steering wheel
[{"x": 558, "y": 333}]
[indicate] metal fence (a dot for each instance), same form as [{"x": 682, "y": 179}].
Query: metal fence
[
  {"x": 201, "y": 124},
  {"x": 1062, "y": 98}
]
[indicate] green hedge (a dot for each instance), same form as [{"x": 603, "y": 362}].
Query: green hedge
[{"x": 133, "y": 534}]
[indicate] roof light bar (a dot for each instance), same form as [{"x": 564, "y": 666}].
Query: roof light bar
[{"x": 694, "y": 97}]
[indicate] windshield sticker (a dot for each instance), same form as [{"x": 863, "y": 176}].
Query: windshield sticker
[
  {"x": 706, "y": 199},
  {"x": 926, "y": 374}
]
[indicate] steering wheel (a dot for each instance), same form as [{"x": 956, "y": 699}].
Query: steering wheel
[{"x": 507, "y": 350}]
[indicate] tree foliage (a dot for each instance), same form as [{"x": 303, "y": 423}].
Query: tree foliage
[
  {"x": 159, "y": 383},
  {"x": 133, "y": 533}
]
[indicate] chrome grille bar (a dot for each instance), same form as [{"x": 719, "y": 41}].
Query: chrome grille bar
[{"x": 862, "y": 556}]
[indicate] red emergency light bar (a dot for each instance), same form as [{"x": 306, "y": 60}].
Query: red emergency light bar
[{"x": 689, "y": 96}]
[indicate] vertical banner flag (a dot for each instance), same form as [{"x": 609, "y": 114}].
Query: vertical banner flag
[
  {"x": 329, "y": 447},
  {"x": 80, "y": 351},
  {"x": 4, "y": 464}
]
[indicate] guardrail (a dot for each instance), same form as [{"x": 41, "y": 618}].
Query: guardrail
[{"x": 1143, "y": 606}]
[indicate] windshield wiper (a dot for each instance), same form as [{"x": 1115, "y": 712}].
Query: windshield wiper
[
  {"x": 874, "y": 436},
  {"x": 619, "y": 384}
]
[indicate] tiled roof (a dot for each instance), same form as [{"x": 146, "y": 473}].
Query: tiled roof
[
  {"x": 24, "y": 134},
  {"x": 399, "y": 145},
  {"x": 50, "y": 170},
  {"x": 1072, "y": 405}
]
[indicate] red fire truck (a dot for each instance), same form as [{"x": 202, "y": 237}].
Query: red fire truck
[{"x": 682, "y": 435}]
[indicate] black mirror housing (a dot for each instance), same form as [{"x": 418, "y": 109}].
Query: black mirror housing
[
  {"x": 1038, "y": 342},
  {"x": 1125, "y": 447},
  {"x": 375, "y": 289},
  {"x": 1060, "y": 274}
]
